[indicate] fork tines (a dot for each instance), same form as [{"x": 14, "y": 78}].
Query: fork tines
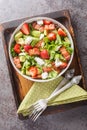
[{"x": 35, "y": 111}]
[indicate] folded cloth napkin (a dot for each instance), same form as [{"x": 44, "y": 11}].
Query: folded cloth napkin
[{"x": 43, "y": 90}]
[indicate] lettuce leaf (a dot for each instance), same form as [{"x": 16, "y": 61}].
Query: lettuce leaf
[{"x": 53, "y": 74}]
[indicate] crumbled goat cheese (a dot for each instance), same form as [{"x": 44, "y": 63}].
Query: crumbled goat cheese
[
  {"x": 44, "y": 75},
  {"x": 40, "y": 22},
  {"x": 39, "y": 61}
]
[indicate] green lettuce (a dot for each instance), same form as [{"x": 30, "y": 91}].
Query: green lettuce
[{"x": 53, "y": 74}]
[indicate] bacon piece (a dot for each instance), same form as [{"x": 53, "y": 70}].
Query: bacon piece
[{"x": 17, "y": 63}]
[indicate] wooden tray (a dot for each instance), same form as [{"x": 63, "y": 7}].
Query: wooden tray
[{"x": 21, "y": 85}]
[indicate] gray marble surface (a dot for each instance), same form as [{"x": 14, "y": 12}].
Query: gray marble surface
[{"x": 75, "y": 119}]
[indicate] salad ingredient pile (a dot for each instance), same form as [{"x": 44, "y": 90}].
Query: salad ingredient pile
[{"x": 41, "y": 49}]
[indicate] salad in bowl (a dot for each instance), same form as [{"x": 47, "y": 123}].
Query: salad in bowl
[{"x": 41, "y": 49}]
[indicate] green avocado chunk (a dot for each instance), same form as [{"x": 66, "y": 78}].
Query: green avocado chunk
[
  {"x": 35, "y": 33},
  {"x": 18, "y": 35}
]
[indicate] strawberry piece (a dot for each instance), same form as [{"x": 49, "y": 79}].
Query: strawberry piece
[
  {"x": 47, "y": 22},
  {"x": 27, "y": 47},
  {"x": 61, "y": 32},
  {"x": 44, "y": 54},
  {"x": 17, "y": 48},
  {"x": 25, "y": 29},
  {"x": 51, "y": 36}
]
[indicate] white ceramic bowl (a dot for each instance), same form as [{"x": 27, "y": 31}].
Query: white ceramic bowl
[{"x": 29, "y": 21}]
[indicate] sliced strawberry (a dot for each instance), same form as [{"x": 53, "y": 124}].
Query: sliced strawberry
[
  {"x": 17, "y": 48},
  {"x": 33, "y": 71},
  {"x": 44, "y": 54},
  {"x": 61, "y": 32},
  {"x": 27, "y": 47},
  {"x": 34, "y": 51},
  {"x": 51, "y": 36},
  {"x": 47, "y": 22},
  {"x": 25, "y": 28},
  {"x": 65, "y": 53}
]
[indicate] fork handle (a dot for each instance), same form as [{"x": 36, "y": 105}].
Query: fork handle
[
  {"x": 68, "y": 75},
  {"x": 60, "y": 91},
  {"x": 61, "y": 84}
]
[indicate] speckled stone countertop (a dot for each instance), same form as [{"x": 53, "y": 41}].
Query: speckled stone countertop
[{"x": 75, "y": 119}]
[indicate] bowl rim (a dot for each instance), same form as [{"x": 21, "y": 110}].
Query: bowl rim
[{"x": 29, "y": 21}]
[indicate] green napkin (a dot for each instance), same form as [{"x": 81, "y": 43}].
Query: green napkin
[{"x": 43, "y": 90}]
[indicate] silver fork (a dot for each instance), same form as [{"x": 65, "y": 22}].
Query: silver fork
[
  {"x": 38, "y": 107},
  {"x": 68, "y": 75}
]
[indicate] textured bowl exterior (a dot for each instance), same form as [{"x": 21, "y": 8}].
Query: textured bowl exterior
[{"x": 29, "y": 21}]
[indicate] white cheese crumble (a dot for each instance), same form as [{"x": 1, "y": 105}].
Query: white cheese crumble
[
  {"x": 41, "y": 36},
  {"x": 42, "y": 44},
  {"x": 44, "y": 75},
  {"x": 58, "y": 63},
  {"x": 58, "y": 48},
  {"x": 28, "y": 40},
  {"x": 40, "y": 22},
  {"x": 22, "y": 54},
  {"x": 39, "y": 61}
]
